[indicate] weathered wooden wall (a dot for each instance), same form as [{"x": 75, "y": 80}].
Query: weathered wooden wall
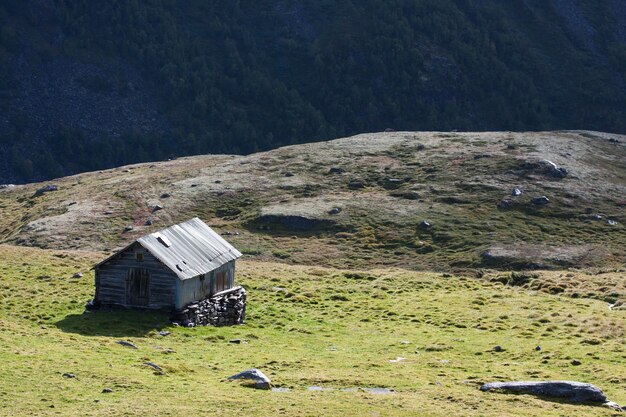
[
  {"x": 111, "y": 279},
  {"x": 199, "y": 288}
]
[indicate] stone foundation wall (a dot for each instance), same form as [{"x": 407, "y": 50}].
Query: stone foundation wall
[{"x": 226, "y": 308}]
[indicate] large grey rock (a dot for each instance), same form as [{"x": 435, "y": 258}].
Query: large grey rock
[
  {"x": 46, "y": 189},
  {"x": 260, "y": 380},
  {"x": 541, "y": 201},
  {"x": 127, "y": 344},
  {"x": 570, "y": 391},
  {"x": 545, "y": 167}
]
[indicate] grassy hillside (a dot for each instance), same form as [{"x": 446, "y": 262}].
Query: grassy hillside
[
  {"x": 360, "y": 202},
  {"x": 92, "y": 86},
  {"x": 307, "y": 327}
]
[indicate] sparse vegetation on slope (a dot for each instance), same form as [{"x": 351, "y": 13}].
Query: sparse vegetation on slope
[{"x": 360, "y": 202}]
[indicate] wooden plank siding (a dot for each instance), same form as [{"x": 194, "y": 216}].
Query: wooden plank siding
[
  {"x": 111, "y": 279},
  {"x": 203, "y": 286}
]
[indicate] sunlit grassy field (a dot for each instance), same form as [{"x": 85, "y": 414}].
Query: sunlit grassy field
[{"x": 306, "y": 326}]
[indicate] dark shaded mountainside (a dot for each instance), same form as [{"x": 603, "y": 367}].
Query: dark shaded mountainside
[{"x": 89, "y": 85}]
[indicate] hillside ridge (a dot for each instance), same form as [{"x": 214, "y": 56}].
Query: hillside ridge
[{"x": 420, "y": 200}]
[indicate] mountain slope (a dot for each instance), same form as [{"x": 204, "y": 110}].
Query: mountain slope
[
  {"x": 360, "y": 201},
  {"x": 92, "y": 86}
]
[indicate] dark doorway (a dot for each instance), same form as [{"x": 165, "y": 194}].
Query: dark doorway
[{"x": 138, "y": 287}]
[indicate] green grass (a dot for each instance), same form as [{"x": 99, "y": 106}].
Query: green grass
[{"x": 306, "y": 326}]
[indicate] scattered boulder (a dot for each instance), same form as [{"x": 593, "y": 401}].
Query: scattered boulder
[
  {"x": 545, "y": 167},
  {"x": 149, "y": 222},
  {"x": 355, "y": 185},
  {"x": 392, "y": 183},
  {"x": 407, "y": 195},
  {"x": 289, "y": 174},
  {"x": 235, "y": 341},
  {"x": 77, "y": 275},
  {"x": 424, "y": 225},
  {"x": 498, "y": 348},
  {"x": 613, "y": 140},
  {"x": 46, "y": 189},
  {"x": 336, "y": 170},
  {"x": 166, "y": 195},
  {"x": 229, "y": 233},
  {"x": 128, "y": 229},
  {"x": 127, "y": 344},
  {"x": 570, "y": 391},
  {"x": 538, "y": 348},
  {"x": 157, "y": 208},
  {"x": 576, "y": 362},
  {"x": 334, "y": 210},
  {"x": 68, "y": 375},
  {"x": 421, "y": 147},
  {"x": 156, "y": 367},
  {"x": 611, "y": 222},
  {"x": 596, "y": 217},
  {"x": 259, "y": 379},
  {"x": 541, "y": 201},
  {"x": 164, "y": 333},
  {"x": 107, "y": 391},
  {"x": 517, "y": 192}
]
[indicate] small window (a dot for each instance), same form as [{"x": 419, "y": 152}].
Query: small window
[{"x": 139, "y": 256}]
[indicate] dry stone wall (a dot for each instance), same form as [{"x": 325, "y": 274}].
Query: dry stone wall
[{"x": 226, "y": 308}]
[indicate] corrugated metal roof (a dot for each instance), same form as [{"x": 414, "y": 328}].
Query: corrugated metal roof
[{"x": 189, "y": 249}]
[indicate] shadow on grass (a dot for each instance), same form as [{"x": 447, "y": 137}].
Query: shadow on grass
[{"x": 115, "y": 323}]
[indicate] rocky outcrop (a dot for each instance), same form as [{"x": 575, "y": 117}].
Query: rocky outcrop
[
  {"x": 544, "y": 168},
  {"x": 225, "y": 308},
  {"x": 570, "y": 391}
]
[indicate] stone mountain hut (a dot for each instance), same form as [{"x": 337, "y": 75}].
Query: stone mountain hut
[{"x": 187, "y": 269}]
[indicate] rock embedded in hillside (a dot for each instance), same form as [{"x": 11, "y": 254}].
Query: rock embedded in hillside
[
  {"x": 424, "y": 225},
  {"x": 289, "y": 174},
  {"x": 156, "y": 367},
  {"x": 128, "y": 229},
  {"x": 77, "y": 275},
  {"x": 541, "y": 201},
  {"x": 127, "y": 344},
  {"x": 334, "y": 210},
  {"x": 545, "y": 167},
  {"x": 517, "y": 192},
  {"x": 258, "y": 378},
  {"x": 157, "y": 208},
  {"x": 355, "y": 185},
  {"x": 407, "y": 195},
  {"x": 107, "y": 391},
  {"x": 570, "y": 391},
  {"x": 611, "y": 222},
  {"x": 336, "y": 170},
  {"x": 47, "y": 189},
  {"x": 68, "y": 375}
]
